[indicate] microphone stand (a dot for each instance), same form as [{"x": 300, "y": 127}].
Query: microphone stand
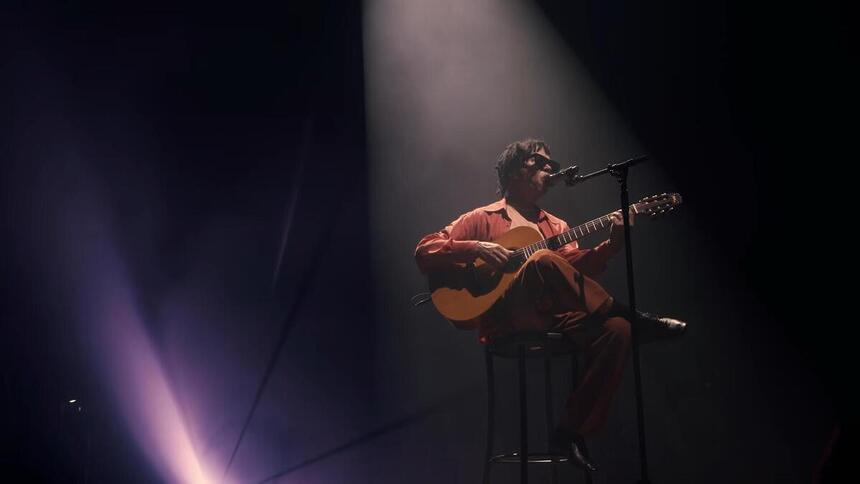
[{"x": 619, "y": 172}]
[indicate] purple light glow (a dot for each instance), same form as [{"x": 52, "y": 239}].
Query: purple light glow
[
  {"x": 182, "y": 369},
  {"x": 144, "y": 394},
  {"x": 123, "y": 349}
]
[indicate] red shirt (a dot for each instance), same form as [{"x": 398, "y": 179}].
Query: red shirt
[{"x": 458, "y": 241}]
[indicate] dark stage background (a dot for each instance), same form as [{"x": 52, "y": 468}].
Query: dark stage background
[{"x": 203, "y": 174}]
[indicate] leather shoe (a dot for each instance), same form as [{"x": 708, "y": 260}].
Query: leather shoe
[
  {"x": 573, "y": 447},
  {"x": 654, "y": 327}
]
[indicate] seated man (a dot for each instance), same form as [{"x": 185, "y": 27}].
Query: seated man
[{"x": 553, "y": 290}]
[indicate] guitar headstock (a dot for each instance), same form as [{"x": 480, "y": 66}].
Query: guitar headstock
[{"x": 657, "y": 205}]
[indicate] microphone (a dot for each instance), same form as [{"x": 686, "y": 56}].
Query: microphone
[{"x": 568, "y": 175}]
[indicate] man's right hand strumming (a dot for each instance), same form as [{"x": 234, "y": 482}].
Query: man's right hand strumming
[{"x": 493, "y": 254}]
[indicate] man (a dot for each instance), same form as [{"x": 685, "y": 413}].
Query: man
[{"x": 553, "y": 290}]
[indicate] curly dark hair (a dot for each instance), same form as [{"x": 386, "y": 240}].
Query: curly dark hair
[{"x": 513, "y": 157}]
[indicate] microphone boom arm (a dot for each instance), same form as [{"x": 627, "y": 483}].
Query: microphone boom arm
[{"x": 570, "y": 175}]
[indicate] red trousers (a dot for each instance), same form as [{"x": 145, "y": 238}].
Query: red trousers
[{"x": 550, "y": 294}]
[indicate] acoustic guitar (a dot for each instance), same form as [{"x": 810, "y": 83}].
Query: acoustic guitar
[{"x": 465, "y": 292}]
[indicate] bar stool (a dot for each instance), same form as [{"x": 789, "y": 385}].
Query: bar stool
[{"x": 546, "y": 345}]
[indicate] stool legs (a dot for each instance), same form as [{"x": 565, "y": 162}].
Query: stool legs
[
  {"x": 574, "y": 367},
  {"x": 524, "y": 425},
  {"x": 547, "y": 365},
  {"x": 523, "y": 391},
  {"x": 491, "y": 409}
]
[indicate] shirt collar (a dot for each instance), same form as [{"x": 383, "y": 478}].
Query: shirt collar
[{"x": 502, "y": 206}]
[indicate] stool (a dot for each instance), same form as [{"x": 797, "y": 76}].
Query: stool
[{"x": 546, "y": 345}]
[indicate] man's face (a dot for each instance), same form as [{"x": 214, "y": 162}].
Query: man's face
[{"x": 535, "y": 172}]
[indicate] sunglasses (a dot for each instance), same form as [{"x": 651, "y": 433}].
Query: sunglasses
[{"x": 541, "y": 161}]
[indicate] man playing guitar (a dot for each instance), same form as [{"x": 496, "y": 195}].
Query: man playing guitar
[{"x": 550, "y": 288}]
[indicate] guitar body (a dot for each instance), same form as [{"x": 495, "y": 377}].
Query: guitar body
[{"x": 468, "y": 291}]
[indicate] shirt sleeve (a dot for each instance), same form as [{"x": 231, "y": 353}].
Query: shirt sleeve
[
  {"x": 455, "y": 243},
  {"x": 591, "y": 262}
]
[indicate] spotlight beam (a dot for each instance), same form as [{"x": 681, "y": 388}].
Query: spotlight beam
[
  {"x": 294, "y": 199},
  {"x": 289, "y": 323}
]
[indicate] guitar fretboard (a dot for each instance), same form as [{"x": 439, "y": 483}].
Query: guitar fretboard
[
  {"x": 557, "y": 241},
  {"x": 652, "y": 206}
]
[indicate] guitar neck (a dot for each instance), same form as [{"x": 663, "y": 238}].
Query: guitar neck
[
  {"x": 588, "y": 228},
  {"x": 558, "y": 241}
]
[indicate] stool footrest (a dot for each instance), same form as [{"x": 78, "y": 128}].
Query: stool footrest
[{"x": 534, "y": 458}]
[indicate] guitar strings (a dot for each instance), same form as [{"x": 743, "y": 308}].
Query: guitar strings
[{"x": 529, "y": 250}]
